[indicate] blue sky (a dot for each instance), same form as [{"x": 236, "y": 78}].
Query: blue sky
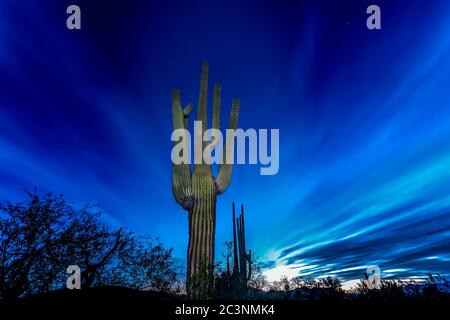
[{"x": 364, "y": 119}]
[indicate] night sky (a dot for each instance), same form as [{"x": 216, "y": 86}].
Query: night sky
[{"x": 364, "y": 119}]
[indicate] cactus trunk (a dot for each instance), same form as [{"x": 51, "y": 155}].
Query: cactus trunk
[{"x": 202, "y": 223}]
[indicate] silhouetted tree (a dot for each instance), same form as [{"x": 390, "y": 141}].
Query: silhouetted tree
[
  {"x": 42, "y": 236},
  {"x": 31, "y": 238},
  {"x": 331, "y": 288},
  {"x": 389, "y": 290},
  {"x": 297, "y": 282},
  {"x": 436, "y": 288},
  {"x": 94, "y": 247},
  {"x": 145, "y": 264}
]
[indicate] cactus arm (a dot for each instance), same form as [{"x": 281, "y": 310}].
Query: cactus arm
[
  {"x": 203, "y": 169},
  {"x": 235, "y": 252},
  {"x": 186, "y": 112},
  {"x": 181, "y": 173},
  {"x": 249, "y": 260},
  {"x": 223, "y": 178},
  {"x": 241, "y": 248},
  {"x": 203, "y": 96},
  {"x": 216, "y": 106},
  {"x": 202, "y": 113},
  {"x": 177, "y": 113},
  {"x": 243, "y": 229},
  {"x": 228, "y": 264},
  {"x": 216, "y": 121}
]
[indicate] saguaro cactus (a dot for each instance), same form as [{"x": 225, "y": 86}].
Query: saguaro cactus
[
  {"x": 197, "y": 191},
  {"x": 242, "y": 267}
]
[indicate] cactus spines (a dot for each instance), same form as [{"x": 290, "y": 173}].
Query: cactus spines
[
  {"x": 242, "y": 270},
  {"x": 197, "y": 191}
]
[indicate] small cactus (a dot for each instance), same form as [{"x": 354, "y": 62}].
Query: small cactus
[{"x": 242, "y": 266}]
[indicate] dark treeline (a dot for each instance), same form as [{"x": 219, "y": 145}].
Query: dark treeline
[
  {"x": 331, "y": 289},
  {"x": 434, "y": 287}
]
